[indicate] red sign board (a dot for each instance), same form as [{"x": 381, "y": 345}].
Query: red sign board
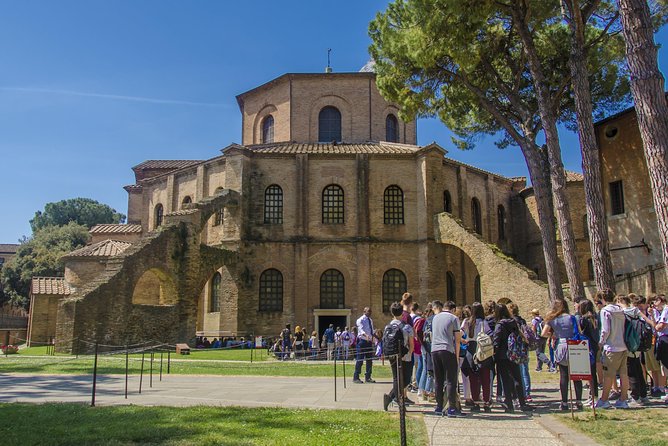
[{"x": 579, "y": 367}]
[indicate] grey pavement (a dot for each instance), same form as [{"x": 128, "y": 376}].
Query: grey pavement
[{"x": 295, "y": 392}]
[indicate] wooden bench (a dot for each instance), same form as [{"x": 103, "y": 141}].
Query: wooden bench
[{"x": 182, "y": 349}]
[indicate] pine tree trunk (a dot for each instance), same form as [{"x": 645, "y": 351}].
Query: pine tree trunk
[
  {"x": 538, "y": 173},
  {"x": 591, "y": 166},
  {"x": 647, "y": 87}
]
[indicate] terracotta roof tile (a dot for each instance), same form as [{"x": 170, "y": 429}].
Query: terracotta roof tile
[
  {"x": 9, "y": 247},
  {"x": 105, "y": 248},
  {"x": 115, "y": 229},
  {"x": 50, "y": 285},
  {"x": 340, "y": 148},
  {"x": 574, "y": 176},
  {"x": 165, "y": 164}
]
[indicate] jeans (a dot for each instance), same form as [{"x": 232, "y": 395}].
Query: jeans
[
  {"x": 398, "y": 388},
  {"x": 526, "y": 379},
  {"x": 427, "y": 382},
  {"x": 419, "y": 370},
  {"x": 330, "y": 350},
  {"x": 509, "y": 374},
  {"x": 364, "y": 352},
  {"x": 445, "y": 377}
]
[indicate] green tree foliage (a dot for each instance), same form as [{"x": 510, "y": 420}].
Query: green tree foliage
[
  {"x": 83, "y": 211},
  {"x": 40, "y": 256}
]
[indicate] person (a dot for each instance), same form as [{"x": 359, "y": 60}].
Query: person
[
  {"x": 406, "y": 318},
  {"x": 490, "y": 309},
  {"x": 206, "y": 343},
  {"x": 420, "y": 370},
  {"x": 313, "y": 344},
  {"x": 425, "y": 382},
  {"x": 524, "y": 367},
  {"x": 509, "y": 372},
  {"x": 637, "y": 382},
  {"x": 473, "y": 326},
  {"x": 537, "y": 327},
  {"x": 463, "y": 313},
  {"x": 337, "y": 342},
  {"x": 613, "y": 355},
  {"x": 561, "y": 326},
  {"x": 345, "y": 343},
  {"x": 652, "y": 366},
  {"x": 285, "y": 344},
  {"x": 328, "y": 337},
  {"x": 298, "y": 343},
  {"x": 365, "y": 347},
  {"x": 589, "y": 326},
  {"x": 399, "y": 381},
  {"x": 445, "y": 345}
]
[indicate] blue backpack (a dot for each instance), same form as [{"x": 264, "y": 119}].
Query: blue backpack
[{"x": 518, "y": 348}]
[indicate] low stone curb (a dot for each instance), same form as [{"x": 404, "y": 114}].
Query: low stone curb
[{"x": 564, "y": 433}]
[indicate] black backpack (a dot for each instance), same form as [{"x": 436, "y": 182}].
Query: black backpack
[{"x": 393, "y": 340}]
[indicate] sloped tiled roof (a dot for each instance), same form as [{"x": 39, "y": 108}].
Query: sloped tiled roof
[
  {"x": 50, "y": 285},
  {"x": 574, "y": 176},
  {"x": 339, "y": 148},
  {"x": 105, "y": 248},
  {"x": 165, "y": 164},
  {"x": 9, "y": 247},
  {"x": 115, "y": 229}
]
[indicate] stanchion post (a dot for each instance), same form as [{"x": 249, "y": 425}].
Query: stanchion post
[
  {"x": 150, "y": 375},
  {"x": 402, "y": 402},
  {"x": 334, "y": 378},
  {"x": 570, "y": 392},
  {"x": 169, "y": 360},
  {"x": 344, "y": 372},
  {"x": 161, "y": 365},
  {"x": 92, "y": 401},
  {"x": 141, "y": 372},
  {"x": 78, "y": 348},
  {"x": 127, "y": 363}
]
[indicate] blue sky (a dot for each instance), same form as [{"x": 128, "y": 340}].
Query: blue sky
[{"x": 89, "y": 89}]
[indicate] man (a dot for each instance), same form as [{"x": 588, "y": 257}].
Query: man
[
  {"x": 365, "y": 348},
  {"x": 329, "y": 339},
  {"x": 399, "y": 381},
  {"x": 614, "y": 351},
  {"x": 286, "y": 343},
  {"x": 446, "y": 339}
]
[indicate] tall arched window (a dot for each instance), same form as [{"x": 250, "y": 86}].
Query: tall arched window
[
  {"x": 273, "y": 205},
  {"x": 332, "y": 204},
  {"x": 476, "y": 215},
  {"x": 393, "y": 205},
  {"x": 394, "y": 286},
  {"x": 271, "y": 290},
  {"x": 391, "y": 128},
  {"x": 214, "y": 300},
  {"x": 501, "y": 221},
  {"x": 329, "y": 124},
  {"x": 477, "y": 289},
  {"x": 332, "y": 289},
  {"x": 450, "y": 287},
  {"x": 447, "y": 202},
  {"x": 268, "y": 129},
  {"x": 186, "y": 200},
  {"x": 158, "y": 215},
  {"x": 585, "y": 227},
  {"x": 220, "y": 213}
]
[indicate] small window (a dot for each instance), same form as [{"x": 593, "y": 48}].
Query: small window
[
  {"x": 617, "y": 197},
  {"x": 501, "y": 221},
  {"x": 393, "y": 201},
  {"x": 332, "y": 290},
  {"x": 590, "y": 270},
  {"x": 391, "y": 128},
  {"x": 585, "y": 227},
  {"x": 186, "y": 200},
  {"x": 450, "y": 287},
  {"x": 329, "y": 125},
  {"x": 214, "y": 300},
  {"x": 271, "y": 290},
  {"x": 273, "y": 205},
  {"x": 158, "y": 215},
  {"x": 220, "y": 213},
  {"x": 268, "y": 130},
  {"x": 476, "y": 215},
  {"x": 477, "y": 289},
  {"x": 394, "y": 286},
  {"x": 447, "y": 202},
  {"x": 332, "y": 204}
]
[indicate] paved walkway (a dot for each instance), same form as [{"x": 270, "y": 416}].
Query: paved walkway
[{"x": 481, "y": 429}]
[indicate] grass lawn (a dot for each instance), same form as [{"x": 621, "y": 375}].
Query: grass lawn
[
  {"x": 74, "y": 424},
  {"x": 646, "y": 427}
]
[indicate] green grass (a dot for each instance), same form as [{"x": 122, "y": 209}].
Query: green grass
[
  {"x": 646, "y": 427},
  {"x": 74, "y": 424}
]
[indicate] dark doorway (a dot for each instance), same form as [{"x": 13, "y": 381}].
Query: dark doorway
[{"x": 324, "y": 321}]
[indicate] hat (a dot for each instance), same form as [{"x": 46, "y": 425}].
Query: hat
[{"x": 535, "y": 311}]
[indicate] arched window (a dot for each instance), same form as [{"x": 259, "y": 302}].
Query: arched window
[
  {"x": 214, "y": 300},
  {"x": 501, "y": 221},
  {"x": 450, "y": 287},
  {"x": 329, "y": 124},
  {"x": 220, "y": 213},
  {"x": 158, "y": 215},
  {"x": 332, "y": 289},
  {"x": 273, "y": 205},
  {"x": 186, "y": 200},
  {"x": 268, "y": 129},
  {"x": 394, "y": 286},
  {"x": 590, "y": 270},
  {"x": 477, "y": 289},
  {"x": 391, "y": 128},
  {"x": 585, "y": 227},
  {"x": 271, "y": 290},
  {"x": 393, "y": 201},
  {"x": 476, "y": 215},
  {"x": 332, "y": 204},
  {"x": 447, "y": 202}
]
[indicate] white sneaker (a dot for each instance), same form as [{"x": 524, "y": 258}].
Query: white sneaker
[
  {"x": 600, "y": 404},
  {"x": 634, "y": 404},
  {"x": 621, "y": 404}
]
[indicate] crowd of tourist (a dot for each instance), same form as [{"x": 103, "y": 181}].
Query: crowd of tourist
[{"x": 486, "y": 348}]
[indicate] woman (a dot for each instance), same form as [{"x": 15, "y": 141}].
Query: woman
[
  {"x": 509, "y": 372},
  {"x": 418, "y": 324},
  {"x": 524, "y": 368},
  {"x": 472, "y": 327},
  {"x": 561, "y": 326},
  {"x": 590, "y": 327},
  {"x": 298, "y": 343},
  {"x": 490, "y": 309},
  {"x": 463, "y": 314},
  {"x": 424, "y": 336},
  {"x": 652, "y": 366}
]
